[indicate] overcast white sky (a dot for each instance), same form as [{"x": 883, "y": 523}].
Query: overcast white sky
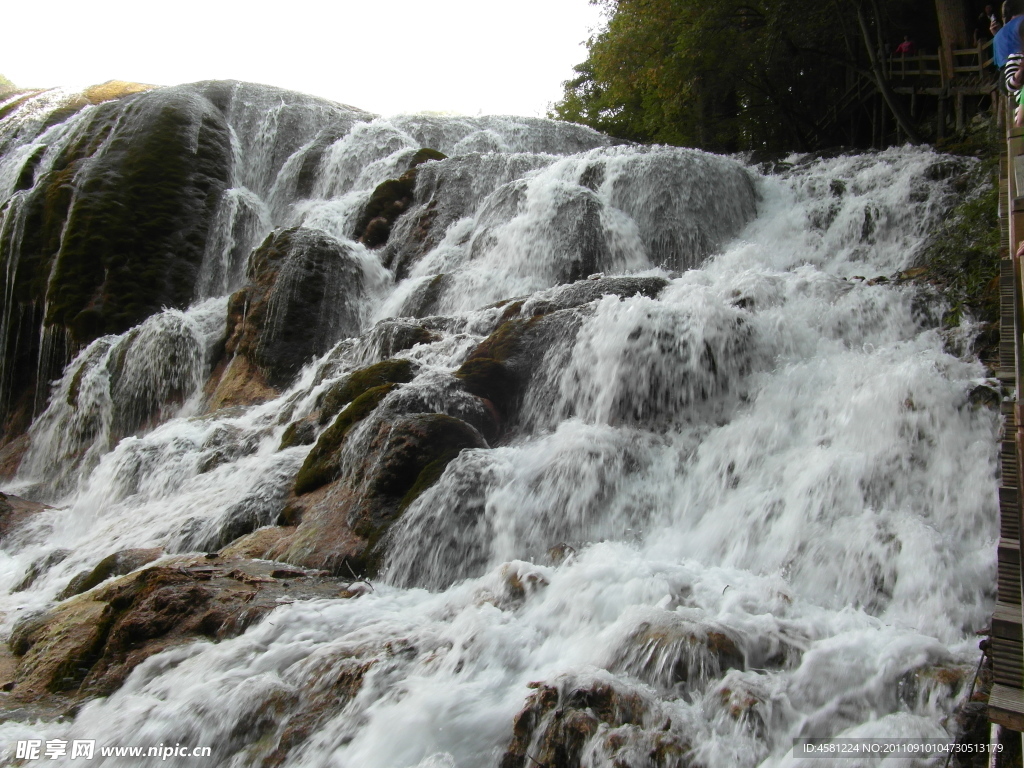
[{"x": 386, "y": 56}]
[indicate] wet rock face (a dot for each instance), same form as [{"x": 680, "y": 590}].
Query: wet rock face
[
  {"x": 291, "y": 311},
  {"x": 15, "y": 512},
  {"x": 501, "y": 367},
  {"x": 114, "y": 229},
  {"x": 346, "y": 505},
  {"x": 390, "y": 200},
  {"x": 117, "y": 564},
  {"x": 87, "y": 646},
  {"x": 444, "y": 193},
  {"x": 565, "y": 722},
  {"x": 675, "y": 655}
]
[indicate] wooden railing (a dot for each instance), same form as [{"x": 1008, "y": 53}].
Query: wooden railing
[{"x": 961, "y": 61}]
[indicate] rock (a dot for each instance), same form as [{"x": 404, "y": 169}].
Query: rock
[
  {"x": 116, "y": 230},
  {"x": 671, "y": 653},
  {"x": 301, "y": 432},
  {"x": 563, "y": 721},
  {"x": 13, "y": 452},
  {"x": 501, "y": 366},
  {"x": 117, "y": 564},
  {"x": 236, "y": 381},
  {"x": 41, "y": 566},
  {"x": 585, "y": 291},
  {"x": 303, "y": 297},
  {"x": 15, "y": 512},
  {"x": 447, "y": 191},
  {"x": 389, "y": 337},
  {"x": 87, "y": 645},
  {"x": 345, "y": 514},
  {"x": 257, "y": 543},
  {"x": 390, "y": 200},
  {"x": 745, "y": 701},
  {"x": 395, "y": 371},
  {"x": 322, "y": 464}
]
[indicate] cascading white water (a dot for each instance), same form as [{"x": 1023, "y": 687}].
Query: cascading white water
[{"x": 771, "y": 450}]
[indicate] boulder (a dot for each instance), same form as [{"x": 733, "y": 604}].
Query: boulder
[
  {"x": 390, "y": 200},
  {"x": 117, "y": 564},
  {"x": 115, "y": 230},
  {"x": 87, "y": 645},
  {"x": 672, "y": 654},
  {"x": 304, "y": 295},
  {"x": 15, "y": 512},
  {"x": 345, "y": 507},
  {"x": 502, "y": 365},
  {"x": 395, "y": 371},
  {"x": 568, "y": 719},
  {"x": 40, "y": 567}
]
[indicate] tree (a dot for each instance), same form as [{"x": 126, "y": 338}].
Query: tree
[{"x": 733, "y": 74}]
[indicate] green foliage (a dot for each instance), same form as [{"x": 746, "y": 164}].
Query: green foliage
[
  {"x": 727, "y": 75},
  {"x": 6, "y": 86}
]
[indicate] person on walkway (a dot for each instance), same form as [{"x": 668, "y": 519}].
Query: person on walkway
[
  {"x": 906, "y": 48},
  {"x": 984, "y": 23},
  {"x": 1007, "y": 42}
]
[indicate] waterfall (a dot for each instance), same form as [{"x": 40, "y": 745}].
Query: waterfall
[{"x": 697, "y": 467}]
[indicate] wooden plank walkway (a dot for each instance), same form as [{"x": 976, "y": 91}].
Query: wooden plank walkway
[{"x": 1006, "y": 702}]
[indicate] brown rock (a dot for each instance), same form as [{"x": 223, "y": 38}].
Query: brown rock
[
  {"x": 13, "y": 452},
  {"x": 117, "y": 564},
  {"x": 258, "y": 543},
  {"x": 302, "y": 297},
  {"x": 564, "y": 720},
  {"x": 15, "y": 511},
  {"x": 87, "y": 645},
  {"x": 669, "y": 652},
  {"x": 344, "y": 516}
]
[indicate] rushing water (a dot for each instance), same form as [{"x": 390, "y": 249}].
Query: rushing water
[{"x": 773, "y": 449}]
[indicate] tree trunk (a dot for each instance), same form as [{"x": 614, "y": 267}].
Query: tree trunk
[
  {"x": 952, "y": 16},
  {"x": 881, "y": 82}
]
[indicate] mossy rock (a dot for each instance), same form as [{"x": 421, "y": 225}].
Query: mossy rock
[
  {"x": 303, "y": 296},
  {"x": 390, "y": 200},
  {"x": 394, "y": 371},
  {"x": 345, "y": 527},
  {"x": 134, "y": 234},
  {"x": 321, "y": 465},
  {"x": 488, "y": 378},
  {"x": 116, "y": 229},
  {"x": 560, "y": 722},
  {"x": 302, "y": 432},
  {"x": 413, "y": 455},
  {"x": 117, "y": 564},
  {"x": 486, "y": 372}
]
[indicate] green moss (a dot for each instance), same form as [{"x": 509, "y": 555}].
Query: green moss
[
  {"x": 424, "y": 154},
  {"x": 390, "y": 200},
  {"x": 428, "y": 476},
  {"x": 504, "y": 342},
  {"x": 394, "y": 371},
  {"x": 321, "y": 465},
  {"x": 299, "y": 432},
  {"x": 130, "y": 239},
  {"x": 488, "y": 378},
  {"x": 106, "y": 568}
]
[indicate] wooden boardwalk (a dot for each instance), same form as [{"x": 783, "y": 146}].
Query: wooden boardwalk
[{"x": 1006, "y": 702}]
